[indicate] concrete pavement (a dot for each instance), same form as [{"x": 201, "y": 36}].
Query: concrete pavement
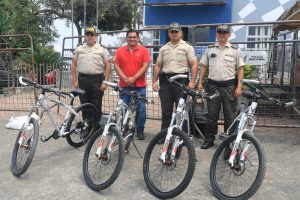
[{"x": 56, "y": 170}]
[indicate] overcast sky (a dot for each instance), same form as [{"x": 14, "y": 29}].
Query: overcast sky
[{"x": 64, "y": 31}]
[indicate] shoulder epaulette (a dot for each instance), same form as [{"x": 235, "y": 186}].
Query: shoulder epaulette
[
  {"x": 189, "y": 43},
  {"x": 211, "y": 46},
  {"x": 234, "y": 46},
  {"x": 101, "y": 45}
]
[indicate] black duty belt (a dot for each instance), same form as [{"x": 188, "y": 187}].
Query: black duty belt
[
  {"x": 91, "y": 75},
  {"x": 222, "y": 83}
]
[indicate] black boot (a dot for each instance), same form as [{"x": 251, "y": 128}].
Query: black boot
[
  {"x": 140, "y": 134},
  {"x": 207, "y": 144}
]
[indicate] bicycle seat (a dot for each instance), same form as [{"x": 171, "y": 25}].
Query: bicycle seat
[{"x": 77, "y": 92}]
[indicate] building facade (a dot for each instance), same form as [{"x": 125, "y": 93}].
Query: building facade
[{"x": 158, "y": 13}]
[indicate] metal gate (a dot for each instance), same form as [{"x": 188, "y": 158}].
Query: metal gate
[{"x": 14, "y": 97}]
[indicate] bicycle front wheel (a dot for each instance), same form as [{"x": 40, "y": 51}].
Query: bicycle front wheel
[
  {"x": 169, "y": 179},
  {"x": 101, "y": 170},
  {"x": 80, "y": 132},
  {"x": 24, "y": 152},
  {"x": 243, "y": 179}
]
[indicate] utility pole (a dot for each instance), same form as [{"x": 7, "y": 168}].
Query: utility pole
[
  {"x": 72, "y": 8},
  {"x": 84, "y": 14},
  {"x": 97, "y": 14}
]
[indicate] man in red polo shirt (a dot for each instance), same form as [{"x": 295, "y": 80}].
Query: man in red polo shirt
[{"x": 131, "y": 64}]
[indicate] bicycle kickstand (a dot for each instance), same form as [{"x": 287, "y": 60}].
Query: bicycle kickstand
[{"x": 136, "y": 149}]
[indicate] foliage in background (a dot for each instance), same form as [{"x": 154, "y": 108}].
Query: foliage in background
[
  {"x": 249, "y": 71},
  {"x": 37, "y": 17},
  {"x": 112, "y": 14},
  {"x": 27, "y": 19},
  {"x": 42, "y": 55}
]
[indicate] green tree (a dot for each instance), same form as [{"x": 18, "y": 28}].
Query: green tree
[
  {"x": 5, "y": 22},
  {"x": 26, "y": 19},
  {"x": 36, "y": 17},
  {"x": 42, "y": 55},
  {"x": 112, "y": 14}
]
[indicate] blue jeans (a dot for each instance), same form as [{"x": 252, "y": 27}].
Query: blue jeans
[{"x": 141, "y": 120}]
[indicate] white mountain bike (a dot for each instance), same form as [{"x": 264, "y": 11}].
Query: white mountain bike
[
  {"x": 77, "y": 127},
  {"x": 169, "y": 167},
  {"x": 239, "y": 163},
  {"x": 104, "y": 155}
]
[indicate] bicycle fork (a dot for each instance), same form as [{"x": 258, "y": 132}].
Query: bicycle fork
[
  {"x": 100, "y": 145},
  {"x": 239, "y": 139},
  {"x": 174, "y": 147},
  {"x": 27, "y": 127}
]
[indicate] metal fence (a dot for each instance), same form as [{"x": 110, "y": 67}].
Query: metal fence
[
  {"x": 13, "y": 97},
  {"x": 110, "y": 98},
  {"x": 278, "y": 75}
]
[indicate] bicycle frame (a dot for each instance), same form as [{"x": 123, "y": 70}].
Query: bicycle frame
[
  {"x": 180, "y": 116},
  {"x": 121, "y": 122},
  {"x": 43, "y": 105}
]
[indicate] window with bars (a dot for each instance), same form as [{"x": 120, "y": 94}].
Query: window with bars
[{"x": 258, "y": 33}]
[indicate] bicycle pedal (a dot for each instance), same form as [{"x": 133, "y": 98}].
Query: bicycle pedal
[
  {"x": 192, "y": 138},
  {"x": 43, "y": 139},
  {"x": 223, "y": 136}
]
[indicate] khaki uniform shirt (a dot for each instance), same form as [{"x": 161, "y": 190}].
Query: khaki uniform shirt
[
  {"x": 175, "y": 58},
  {"x": 90, "y": 60},
  {"x": 223, "y": 62}
]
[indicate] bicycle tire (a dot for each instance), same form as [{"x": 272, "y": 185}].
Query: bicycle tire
[
  {"x": 33, "y": 139},
  {"x": 219, "y": 192},
  {"x": 91, "y": 120},
  {"x": 89, "y": 154},
  {"x": 191, "y": 162}
]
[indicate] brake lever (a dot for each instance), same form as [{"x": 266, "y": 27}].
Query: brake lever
[{"x": 60, "y": 95}]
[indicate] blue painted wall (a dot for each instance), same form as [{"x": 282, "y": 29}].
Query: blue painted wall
[{"x": 187, "y": 15}]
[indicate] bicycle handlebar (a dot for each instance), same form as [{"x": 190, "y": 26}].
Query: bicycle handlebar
[
  {"x": 26, "y": 82},
  {"x": 251, "y": 81},
  {"x": 257, "y": 93},
  {"x": 116, "y": 87},
  {"x": 191, "y": 91}
]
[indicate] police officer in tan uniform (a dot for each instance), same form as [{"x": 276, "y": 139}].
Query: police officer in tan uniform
[
  {"x": 175, "y": 57},
  {"x": 91, "y": 61},
  {"x": 225, "y": 72}
]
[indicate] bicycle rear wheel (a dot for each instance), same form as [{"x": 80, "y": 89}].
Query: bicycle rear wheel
[
  {"x": 243, "y": 179},
  {"x": 80, "y": 132},
  {"x": 100, "y": 172},
  {"x": 23, "y": 154},
  {"x": 169, "y": 179},
  {"x": 128, "y": 133}
]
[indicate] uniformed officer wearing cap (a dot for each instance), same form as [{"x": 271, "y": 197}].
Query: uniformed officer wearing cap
[
  {"x": 91, "y": 61},
  {"x": 175, "y": 57},
  {"x": 224, "y": 64}
]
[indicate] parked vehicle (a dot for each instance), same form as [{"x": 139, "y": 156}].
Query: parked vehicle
[{"x": 50, "y": 77}]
